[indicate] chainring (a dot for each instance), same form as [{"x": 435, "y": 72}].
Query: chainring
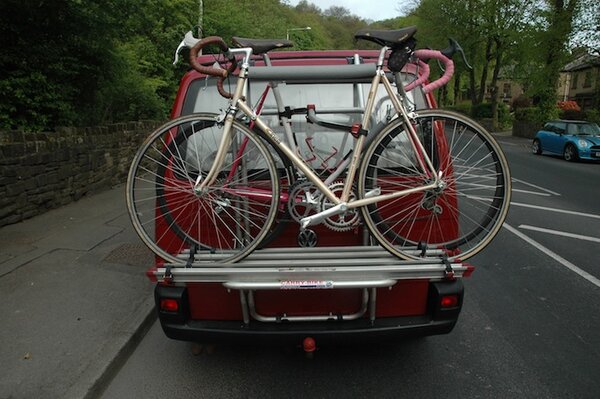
[
  {"x": 344, "y": 221},
  {"x": 304, "y": 200}
]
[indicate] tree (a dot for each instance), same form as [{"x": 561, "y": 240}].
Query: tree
[
  {"x": 559, "y": 18},
  {"x": 586, "y": 26},
  {"x": 48, "y": 72},
  {"x": 70, "y": 62},
  {"x": 487, "y": 30}
]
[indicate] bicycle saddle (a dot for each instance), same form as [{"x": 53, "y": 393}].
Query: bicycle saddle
[
  {"x": 389, "y": 38},
  {"x": 261, "y": 46}
]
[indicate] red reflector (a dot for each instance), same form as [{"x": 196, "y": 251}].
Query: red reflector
[
  {"x": 150, "y": 274},
  {"x": 169, "y": 305},
  {"x": 309, "y": 345},
  {"x": 449, "y": 301}
]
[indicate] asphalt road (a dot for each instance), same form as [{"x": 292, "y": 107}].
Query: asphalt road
[{"x": 530, "y": 325}]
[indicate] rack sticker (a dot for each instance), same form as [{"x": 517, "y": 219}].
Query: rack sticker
[{"x": 305, "y": 284}]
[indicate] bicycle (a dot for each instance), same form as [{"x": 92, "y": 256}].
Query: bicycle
[{"x": 223, "y": 195}]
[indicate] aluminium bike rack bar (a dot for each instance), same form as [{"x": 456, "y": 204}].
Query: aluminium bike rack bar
[
  {"x": 350, "y": 252},
  {"x": 310, "y": 268}
]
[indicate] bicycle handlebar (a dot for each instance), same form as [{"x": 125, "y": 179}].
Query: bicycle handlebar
[
  {"x": 436, "y": 84},
  {"x": 212, "y": 71},
  {"x": 222, "y": 74}
]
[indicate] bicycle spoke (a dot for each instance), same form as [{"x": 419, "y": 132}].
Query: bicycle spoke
[
  {"x": 463, "y": 214},
  {"x": 230, "y": 216}
]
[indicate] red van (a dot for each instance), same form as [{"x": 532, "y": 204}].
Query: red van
[{"x": 328, "y": 285}]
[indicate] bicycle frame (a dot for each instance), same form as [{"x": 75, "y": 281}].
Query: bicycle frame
[{"x": 342, "y": 203}]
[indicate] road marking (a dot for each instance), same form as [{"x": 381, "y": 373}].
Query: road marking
[
  {"x": 553, "y": 255},
  {"x": 559, "y": 233},
  {"x": 506, "y": 143},
  {"x": 544, "y": 208},
  {"x": 514, "y": 179}
]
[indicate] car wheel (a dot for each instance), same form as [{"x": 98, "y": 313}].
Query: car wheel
[
  {"x": 570, "y": 154},
  {"x": 536, "y": 147}
]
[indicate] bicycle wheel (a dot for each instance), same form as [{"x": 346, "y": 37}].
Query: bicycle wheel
[
  {"x": 463, "y": 215},
  {"x": 230, "y": 219}
]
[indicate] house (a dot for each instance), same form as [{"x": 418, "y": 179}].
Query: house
[
  {"x": 580, "y": 82},
  {"x": 508, "y": 90}
]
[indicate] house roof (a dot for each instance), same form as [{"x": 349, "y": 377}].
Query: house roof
[{"x": 582, "y": 62}]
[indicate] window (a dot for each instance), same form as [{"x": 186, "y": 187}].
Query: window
[
  {"x": 559, "y": 127},
  {"x": 587, "y": 80},
  {"x": 337, "y": 102},
  {"x": 555, "y": 127},
  {"x": 574, "y": 76}
]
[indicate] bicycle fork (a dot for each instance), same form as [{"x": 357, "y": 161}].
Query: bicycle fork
[{"x": 202, "y": 183}]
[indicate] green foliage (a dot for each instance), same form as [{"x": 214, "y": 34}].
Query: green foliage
[
  {"x": 74, "y": 62},
  {"x": 69, "y": 62},
  {"x": 48, "y": 72},
  {"x": 571, "y": 114},
  {"x": 484, "y": 111},
  {"x": 536, "y": 115},
  {"x": 593, "y": 115},
  {"x": 463, "y": 108}
]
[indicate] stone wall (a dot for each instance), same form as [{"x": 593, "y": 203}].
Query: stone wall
[
  {"x": 524, "y": 129},
  {"x": 41, "y": 171}
]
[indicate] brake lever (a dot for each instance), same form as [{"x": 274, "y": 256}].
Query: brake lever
[
  {"x": 453, "y": 48},
  {"x": 188, "y": 41},
  {"x": 181, "y": 45}
]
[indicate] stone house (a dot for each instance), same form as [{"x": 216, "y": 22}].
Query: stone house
[{"x": 580, "y": 82}]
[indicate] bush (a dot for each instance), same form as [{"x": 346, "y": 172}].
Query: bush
[
  {"x": 484, "y": 110},
  {"x": 572, "y": 114},
  {"x": 593, "y": 116},
  {"x": 528, "y": 121},
  {"x": 522, "y": 101},
  {"x": 530, "y": 114},
  {"x": 464, "y": 108}
]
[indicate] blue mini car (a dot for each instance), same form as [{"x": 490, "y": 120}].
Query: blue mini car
[{"x": 574, "y": 140}]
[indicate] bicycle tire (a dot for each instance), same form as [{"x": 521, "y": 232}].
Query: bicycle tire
[
  {"x": 234, "y": 214},
  {"x": 460, "y": 219}
]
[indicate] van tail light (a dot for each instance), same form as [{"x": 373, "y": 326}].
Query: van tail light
[
  {"x": 449, "y": 301},
  {"x": 169, "y": 305}
]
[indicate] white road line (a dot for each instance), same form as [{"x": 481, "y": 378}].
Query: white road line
[
  {"x": 553, "y": 255},
  {"x": 506, "y": 143},
  {"x": 534, "y": 186},
  {"x": 559, "y": 233},
  {"x": 544, "y": 208}
]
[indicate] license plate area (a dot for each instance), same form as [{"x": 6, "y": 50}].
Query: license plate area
[{"x": 308, "y": 302}]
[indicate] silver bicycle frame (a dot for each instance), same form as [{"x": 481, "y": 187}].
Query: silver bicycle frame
[{"x": 341, "y": 204}]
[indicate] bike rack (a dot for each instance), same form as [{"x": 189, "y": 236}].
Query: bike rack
[
  {"x": 358, "y": 267},
  {"x": 336, "y": 267}
]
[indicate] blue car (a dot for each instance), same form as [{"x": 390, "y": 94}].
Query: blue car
[{"x": 574, "y": 140}]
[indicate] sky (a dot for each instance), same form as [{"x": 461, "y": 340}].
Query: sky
[{"x": 366, "y": 9}]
